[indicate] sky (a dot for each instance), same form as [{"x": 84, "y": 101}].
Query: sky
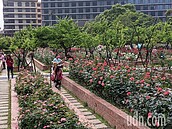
[{"x": 1, "y": 15}]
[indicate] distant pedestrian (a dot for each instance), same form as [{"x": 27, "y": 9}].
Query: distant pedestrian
[
  {"x": 2, "y": 58},
  {"x": 10, "y": 64}
]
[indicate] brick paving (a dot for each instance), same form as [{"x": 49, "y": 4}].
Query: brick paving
[{"x": 4, "y": 100}]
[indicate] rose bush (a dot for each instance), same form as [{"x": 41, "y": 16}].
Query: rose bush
[
  {"x": 40, "y": 107},
  {"x": 124, "y": 86}
]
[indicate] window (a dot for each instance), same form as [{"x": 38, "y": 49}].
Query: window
[
  {"x": 73, "y": 10},
  {"x": 10, "y": 10},
  {"x": 66, "y": 4},
  {"x": 19, "y": 10},
  {"x": 33, "y": 21},
  {"x": 39, "y": 10},
  {"x": 20, "y": 21},
  {"x": 73, "y": 3},
  {"x": 33, "y": 15},
  {"x": 73, "y": 16},
  {"x": 46, "y": 11},
  {"x": 145, "y": 7},
  {"x": 87, "y": 16},
  {"x": 33, "y": 4},
  {"x": 45, "y": 4},
  {"x": 160, "y": 13},
  {"x": 38, "y": 5},
  {"x": 80, "y": 3},
  {"x": 94, "y": 9},
  {"x": 27, "y": 15},
  {"x": 27, "y": 10},
  {"x": 39, "y": 21},
  {"x": 39, "y": 15},
  {"x": 87, "y": 10},
  {"x": 53, "y": 17},
  {"x": 101, "y": 9},
  {"x": 10, "y": 4},
  {"x": 59, "y": 4},
  {"x": 20, "y": 16},
  {"x": 11, "y": 15},
  {"x": 59, "y": 10},
  {"x": 20, "y": 27},
  {"x": 87, "y": 4},
  {"x": 27, "y": 21},
  {"x": 19, "y": 3},
  {"x": 10, "y": 21},
  {"x": 80, "y": 16},
  {"x": 80, "y": 10},
  {"x": 94, "y": 3},
  {"x": 52, "y": 4},
  {"x": 27, "y": 4},
  {"x": 46, "y": 17},
  {"x": 109, "y": 2},
  {"x": 152, "y": 13},
  {"x": 66, "y": 10},
  {"x": 33, "y": 10}
]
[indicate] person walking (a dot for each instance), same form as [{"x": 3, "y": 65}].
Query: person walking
[
  {"x": 58, "y": 77},
  {"x": 9, "y": 62}
]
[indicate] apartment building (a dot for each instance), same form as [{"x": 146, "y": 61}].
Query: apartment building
[
  {"x": 19, "y": 14},
  {"x": 85, "y": 10}
]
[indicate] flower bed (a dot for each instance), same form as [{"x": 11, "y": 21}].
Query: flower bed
[
  {"x": 40, "y": 107},
  {"x": 147, "y": 93}
]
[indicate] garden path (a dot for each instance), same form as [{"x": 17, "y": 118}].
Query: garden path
[{"x": 4, "y": 100}]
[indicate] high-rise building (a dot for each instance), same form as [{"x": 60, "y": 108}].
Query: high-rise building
[
  {"x": 85, "y": 10},
  {"x": 19, "y": 14}
]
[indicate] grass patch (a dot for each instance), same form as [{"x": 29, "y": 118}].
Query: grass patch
[{"x": 9, "y": 107}]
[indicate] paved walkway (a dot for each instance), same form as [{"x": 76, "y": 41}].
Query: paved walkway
[{"x": 4, "y": 100}]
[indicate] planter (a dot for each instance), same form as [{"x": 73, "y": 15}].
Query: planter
[
  {"x": 114, "y": 116},
  {"x": 15, "y": 69},
  {"x": 44, "y": 67},
  {"x": 41, "y": 66}
]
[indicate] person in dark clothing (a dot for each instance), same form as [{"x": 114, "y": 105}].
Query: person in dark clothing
[
  {"x": 58, "y": 77},
  {"x": 9, "y": 62}
]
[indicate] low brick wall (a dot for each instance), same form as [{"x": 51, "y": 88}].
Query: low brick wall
[
  {"x": 41, "y": 66},
  {"x": 114, "y": 116},
  {"x": 15, "y": 69}
]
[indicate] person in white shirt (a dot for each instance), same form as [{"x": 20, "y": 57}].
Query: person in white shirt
[{"x": 2, "y": 58}]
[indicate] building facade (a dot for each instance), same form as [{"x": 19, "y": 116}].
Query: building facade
[
  {"x": 85, "y": 10},
  {"x": 19, "y": 14}
]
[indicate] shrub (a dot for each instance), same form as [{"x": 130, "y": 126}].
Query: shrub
[
  {"x": 125, "y": 86},
  {"x": 40, "y": 107}
]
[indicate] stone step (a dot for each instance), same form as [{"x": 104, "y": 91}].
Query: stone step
[
  {"x": 101, "y": 126},
  {"x": 83, "y": 110},
  {"x": 87, "y": 113},
  {"x": 3, "y": 126},
  {"x": 4, "y": 114},
  {"x": 73, "y": 101},
  {"x": 79, "y": 106},
  {"x": 3, "y": 111},
  {"x": 3, "y": 123},
  {"x": 3, "y": 108},
  {"x": 4, "y": 118},
  {"x": 95, "y": 121},
  {"x": 91, "y": 117},
  {"x": 3, "y": 105},
  {"x": 3, "y": 102}
]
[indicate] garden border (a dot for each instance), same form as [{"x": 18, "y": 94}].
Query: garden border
[
  {"x": 114, "y": 116},
  {"x": 41, "y": 66},
  {"x": 14, "y": 106}
]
